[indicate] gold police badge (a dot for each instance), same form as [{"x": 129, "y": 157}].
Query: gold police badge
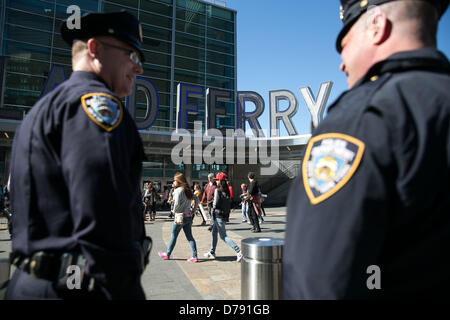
[
  {"x": 104, "y": 109},
  {"x": 330, "y": 161}
]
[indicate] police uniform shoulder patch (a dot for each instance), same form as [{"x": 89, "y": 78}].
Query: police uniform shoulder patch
[
  {"x": 104, "y": 109},
  {"x": 330, "y": 161}
]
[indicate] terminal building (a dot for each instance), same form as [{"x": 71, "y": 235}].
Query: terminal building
[{"x": 195, "y": 49}]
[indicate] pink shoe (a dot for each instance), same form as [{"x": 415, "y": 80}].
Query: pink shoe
[
  {"x": 163, "y": 255},
  {"x": 192, "y": 259}
]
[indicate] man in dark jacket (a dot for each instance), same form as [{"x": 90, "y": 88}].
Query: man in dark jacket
[
  {"x": 368, "y": 217},
  {"x": 75, "y": 172}
]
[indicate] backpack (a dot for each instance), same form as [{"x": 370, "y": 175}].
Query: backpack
[
  {"x": 223, "y": 206},
  {"x": 226, "y": 204}
]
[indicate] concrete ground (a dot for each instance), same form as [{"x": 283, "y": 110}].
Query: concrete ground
[{"x": 177, "y": 279}]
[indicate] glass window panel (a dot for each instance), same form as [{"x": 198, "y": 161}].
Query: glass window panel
[
  {"x": 155, "y": 20},
  {"x": 35, "y": 6},
  {"x": 154, "y": 161},
  {"x": 189, "y": 77},
  {"x": 191, "y": 16},
  {"x": 190, "y": 28},
  {"x": 227, "y": 122},
  {"x": 231, "y": 108},
  {"x": 220, "y": 70},
  {"x": 28, "y": 35},
  {"x": 170, "y": 173},
  {"x": 163, "y": 115},
  {"x": 190, "y": 52},
  {"x": 156, "y": 71},
  {"x": 219, "y": 82},
  {"x": 164, "y": 1},
  {"x": 128, "y": 3},
  {"x": 155, "y": 32},
  {"x": 88, "y": 5},
  {"x": 221, "y": 47},
  {"x": 26, "y": 82},
  {"x": 220, "y": 35},
  {"x": 157, "y": 58},
  {"x": 21, "y": 98},
  {"x": 164, "y": 99},
  {"x": 213, "y": 11},
  {"x": 152, "y": 172},
  {"x": 189, "y": 64},
  {"x": 109, "y": 7},
  {"x": 29, "y": 20},
  {"x": 220, "y": 24},
  {"x": 160, "y": 85},
  {"x": 27, "y": 66},
  {"x": 62, "y": 56},
  {"x": 162, "y": 46},
  {"x": 191, "y": 5},
  {"x": 220, "y": 58},
  {"x": 190, "y": 40},
  {"x": 155, "y": 7},
  {"x": 27, "y": 51}
]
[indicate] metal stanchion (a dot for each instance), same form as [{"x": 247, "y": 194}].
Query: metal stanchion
[
  {"x": 4, "y": 276},
  {"x": 261, "y": 268}
]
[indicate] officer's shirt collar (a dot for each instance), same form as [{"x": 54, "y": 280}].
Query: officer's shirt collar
[
  {"x": 86, "y": 75},
  {"x": 425, "y": 59}
]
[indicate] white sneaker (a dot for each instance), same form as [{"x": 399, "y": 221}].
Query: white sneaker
[
  {"x": 209, "y": 255},
  {"x": 239, "y": 257}
]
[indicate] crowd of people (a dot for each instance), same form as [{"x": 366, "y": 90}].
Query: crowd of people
[
  {"x": 250, "y": 201},
  {"x": 213, "y": 204}
]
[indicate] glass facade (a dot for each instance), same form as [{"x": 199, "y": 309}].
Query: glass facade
[{"x": 197, "y": 45}]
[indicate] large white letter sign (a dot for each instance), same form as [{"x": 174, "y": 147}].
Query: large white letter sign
[{"x": 285, "y": 115}]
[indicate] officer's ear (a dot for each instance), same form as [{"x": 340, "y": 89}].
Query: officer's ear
[
  {"x": 93, "y": 46},
  {"x": 378, "y": 26}
]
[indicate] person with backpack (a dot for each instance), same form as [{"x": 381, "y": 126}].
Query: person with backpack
[{"x": 221, "y": 209}]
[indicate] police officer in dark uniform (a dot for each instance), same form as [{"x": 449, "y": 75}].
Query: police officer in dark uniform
[
  {"x": 368, "y": 216},
  {"x": 75, "y": 174}
]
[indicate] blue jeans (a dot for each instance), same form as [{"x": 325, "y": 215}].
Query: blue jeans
[
  {"x": 219, "y": 227},
  {"x": 187, "y": 228},
  {"x": 244, "y": 211}
]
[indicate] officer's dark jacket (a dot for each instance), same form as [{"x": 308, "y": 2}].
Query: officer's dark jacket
[
  {"x": 75, "y": 186},
  {"x": 394, "y": 212}
]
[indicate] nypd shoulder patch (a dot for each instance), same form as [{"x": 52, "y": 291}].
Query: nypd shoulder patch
[
  {"x": 330, "y": 161},
  {"x": 104, "y": 109}
]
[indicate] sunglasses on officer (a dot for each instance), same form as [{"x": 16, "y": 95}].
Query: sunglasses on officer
[{"x": 134, "y": 57}]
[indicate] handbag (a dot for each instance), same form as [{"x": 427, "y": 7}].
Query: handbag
[{"x": 179, "y": 218}]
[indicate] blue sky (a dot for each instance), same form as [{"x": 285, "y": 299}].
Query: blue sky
[{"x": 288, "y": 44}]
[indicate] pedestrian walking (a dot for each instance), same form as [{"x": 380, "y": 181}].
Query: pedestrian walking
[
  {"x": 253, "y": 202},
  {"x": 244, "y": 202},
  {"x": 221, "y": 207},
  {"x": 183, "y": 197},
  {"x": 208, "y": 195},
  {"x": 199, "y": 194}
]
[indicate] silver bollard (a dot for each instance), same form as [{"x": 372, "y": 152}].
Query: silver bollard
[
  {"x": 4, "y": 276},
  {"x": 261, "y": 268}
]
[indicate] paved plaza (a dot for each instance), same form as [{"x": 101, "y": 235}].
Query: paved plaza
[{"x": 177, "y": 279}]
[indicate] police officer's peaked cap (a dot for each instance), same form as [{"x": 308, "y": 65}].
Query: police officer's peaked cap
[
  {"x": 351, "y": 10},
  {"x": 121, "y": 25}
]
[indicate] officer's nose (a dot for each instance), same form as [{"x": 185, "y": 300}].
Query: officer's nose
[
  {"x": 342, "y": 67},
  {"x": 138, "y": 69}
]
